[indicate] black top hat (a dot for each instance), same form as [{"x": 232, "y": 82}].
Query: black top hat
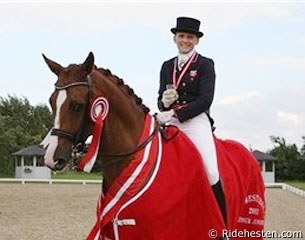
[{"x": 186, "y": 24}]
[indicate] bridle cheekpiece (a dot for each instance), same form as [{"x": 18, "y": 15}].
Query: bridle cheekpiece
[{"x": 75, "y": 138}]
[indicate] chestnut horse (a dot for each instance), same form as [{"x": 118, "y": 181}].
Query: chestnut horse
[
  {"x": 153, "y": 187},
  {"x": 69, "y": 104}
]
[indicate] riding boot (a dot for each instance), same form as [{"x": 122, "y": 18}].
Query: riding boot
[{"x": 219, "y": 194}]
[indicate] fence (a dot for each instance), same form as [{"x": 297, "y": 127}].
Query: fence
[
  {"x": 49, "y": 181},
  {"x": 283, "y": 186}
]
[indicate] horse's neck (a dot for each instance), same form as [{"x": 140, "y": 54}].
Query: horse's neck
[
  {"x": 122, "y": 130},
  {"x": 118, "y": 139}
]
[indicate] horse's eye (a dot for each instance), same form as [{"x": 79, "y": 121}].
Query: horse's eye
[{"x": 76, "y": 107}]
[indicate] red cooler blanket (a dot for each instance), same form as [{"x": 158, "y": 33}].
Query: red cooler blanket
[{"x": 164, "y": 194}]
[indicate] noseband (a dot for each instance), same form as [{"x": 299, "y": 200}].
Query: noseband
[{"x": 78, "y": 137}]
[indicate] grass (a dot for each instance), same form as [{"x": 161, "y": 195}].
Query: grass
[
  {"x": 7, "y": 175},
  {"x": 297, "y": 184},
  {"x": 66, "y": 175},
  {"x": 77, "y": 175}
]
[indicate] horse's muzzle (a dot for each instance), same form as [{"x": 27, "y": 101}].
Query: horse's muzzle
[{"x": 61, "y": 163}]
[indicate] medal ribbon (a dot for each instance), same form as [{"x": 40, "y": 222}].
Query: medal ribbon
[{"x": 184, "y": 69}]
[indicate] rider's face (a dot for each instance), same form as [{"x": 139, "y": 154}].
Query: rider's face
[{"x": 185, "y": 41}]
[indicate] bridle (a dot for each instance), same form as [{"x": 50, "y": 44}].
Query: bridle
[{"x": 78, "y": 138}]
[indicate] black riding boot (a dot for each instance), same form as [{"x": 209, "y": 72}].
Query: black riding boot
[{"x": 218, "y": 191}]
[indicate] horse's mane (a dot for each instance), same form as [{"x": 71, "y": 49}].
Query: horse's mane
[{"x": 128, "y": 89}]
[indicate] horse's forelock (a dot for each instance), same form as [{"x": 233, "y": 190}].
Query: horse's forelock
[{"x": 70, "y": 74}]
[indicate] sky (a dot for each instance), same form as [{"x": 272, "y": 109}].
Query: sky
[{"x": 258, "y": 48}]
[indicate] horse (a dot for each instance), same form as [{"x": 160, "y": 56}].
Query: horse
[{"x": 154, "y": 183}]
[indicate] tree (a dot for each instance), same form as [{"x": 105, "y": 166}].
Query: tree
[
  {"x": 20, "y": 125},
  {"x": 4, "y": 152},
  {"x": 290, "y": 165},
  {"x": 284, "y": 152},
  {"x": 303, "y": 147}
]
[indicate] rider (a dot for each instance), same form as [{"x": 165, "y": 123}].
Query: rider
[{"x": 185, "y": 95}]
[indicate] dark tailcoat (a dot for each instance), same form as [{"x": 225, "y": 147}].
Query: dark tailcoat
[{"x": 196, "y": 89}]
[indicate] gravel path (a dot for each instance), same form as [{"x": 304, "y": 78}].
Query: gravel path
[
  {"x": 64, "y": 212},
  {"x": 285, "y": 211}
]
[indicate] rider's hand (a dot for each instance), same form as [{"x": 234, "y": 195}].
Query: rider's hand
[
  {"x": 166, "y": 116},
  {"x": 169, "y": 96}
]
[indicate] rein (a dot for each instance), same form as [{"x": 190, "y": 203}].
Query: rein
[
  {"x": 124, "y": 155},
  {"x": 158, "y": 128}
]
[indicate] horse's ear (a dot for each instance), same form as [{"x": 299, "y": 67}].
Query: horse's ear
[
  {"x": 55, "y": 67},
  {"x": 89, "y": 63}
]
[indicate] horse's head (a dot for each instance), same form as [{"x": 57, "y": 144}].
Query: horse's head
[{"x": 69, "y": 104}]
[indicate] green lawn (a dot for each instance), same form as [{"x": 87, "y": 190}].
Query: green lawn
[
  {"x": 7, "y": 175},
  {"x": 67, "y": 175},
  {"x": 297, "y": 184},
  {"x": 78, "y": 175}
]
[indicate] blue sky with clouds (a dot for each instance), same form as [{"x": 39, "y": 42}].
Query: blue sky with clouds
[{"x": 258, "y": 49}]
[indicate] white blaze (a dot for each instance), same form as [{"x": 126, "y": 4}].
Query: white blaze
[{"x": 53, "y": 140}]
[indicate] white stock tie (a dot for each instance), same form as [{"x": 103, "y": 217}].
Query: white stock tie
[{"x": 181, "y": 64}]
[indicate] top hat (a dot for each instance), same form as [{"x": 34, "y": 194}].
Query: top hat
[{"x": 186, "y": 24}]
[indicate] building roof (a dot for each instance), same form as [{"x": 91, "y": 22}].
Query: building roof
[
  {"x": 261, "y": 156},
  {"x": 34, "y": 150}
]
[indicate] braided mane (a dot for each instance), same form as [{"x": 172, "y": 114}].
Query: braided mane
[{"x": 128, "y": 89}]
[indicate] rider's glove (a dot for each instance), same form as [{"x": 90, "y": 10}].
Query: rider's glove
[
  {"x": 169, "y": 96},
  {"x": 166, "y": 116}
]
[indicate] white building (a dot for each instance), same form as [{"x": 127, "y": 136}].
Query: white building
[
  {"x": 29, "y": 163},
  {"x": 267, "y": 163}
]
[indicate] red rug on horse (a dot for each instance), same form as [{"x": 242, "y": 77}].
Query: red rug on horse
[
  {"x": 170, "y": 197},
  {"x": 161, "y": 191}
]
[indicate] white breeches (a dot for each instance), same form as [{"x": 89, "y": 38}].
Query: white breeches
[{"x": 198, "y": 130}]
